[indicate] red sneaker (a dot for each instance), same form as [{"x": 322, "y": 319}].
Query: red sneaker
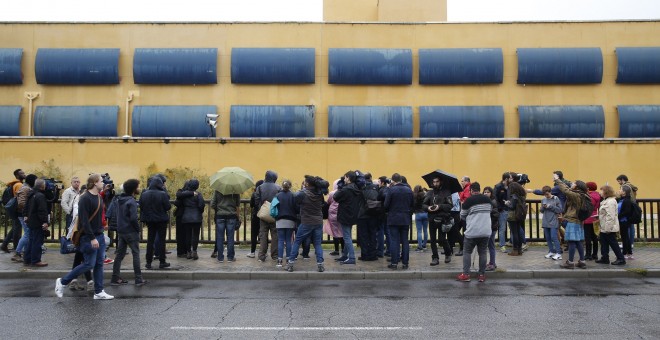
[
  {"x": 482, "y": 278},
  {"x": 463, "y": 277},
  {"x": 108, "y": 261}
]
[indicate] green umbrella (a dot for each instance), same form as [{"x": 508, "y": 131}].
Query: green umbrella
[{"x": 231, "y": 180}]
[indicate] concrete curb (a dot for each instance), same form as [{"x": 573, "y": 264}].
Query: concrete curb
[{"x": 348, "y": 275}]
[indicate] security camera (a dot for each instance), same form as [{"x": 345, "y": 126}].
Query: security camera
[
  {"x": 213, "y": 123},
  {"x": 211, "y": 115}
]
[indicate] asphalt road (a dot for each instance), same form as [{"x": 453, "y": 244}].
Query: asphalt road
[{"x": 428, "y": 309}]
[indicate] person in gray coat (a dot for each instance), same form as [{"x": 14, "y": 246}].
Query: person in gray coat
[{"x": 265, "y": 193}]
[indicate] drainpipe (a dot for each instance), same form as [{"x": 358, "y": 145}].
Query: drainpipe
[
  {"x": 128, "y": 100},
  {"x": 30, "y": 96}
]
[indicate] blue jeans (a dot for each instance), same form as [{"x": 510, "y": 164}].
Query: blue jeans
[
  {"x": 399, "y": 237},
  {"x": 383, "y": 236},
  {"x": 491, "y": 247},
  {"x": 284, "y": 242},
  {"x": 552, "y": 238},
  {"x": 422, "y": 223},
  {"x": 225, "y": 227},
  {"x": 32, "y": 252},
  {"x": 315, "y": 231},
  {"x": 631, "y": 235},
  {"x": 349, "y": 251},
  {"x": 502, "y": 231},
  {"x": 22, "y": 243},
  {"x": 93, "y": 259}
]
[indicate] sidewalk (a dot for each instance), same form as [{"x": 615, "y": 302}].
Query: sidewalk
[{"x": 531, "y": 265}]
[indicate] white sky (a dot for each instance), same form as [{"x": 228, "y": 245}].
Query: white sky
[{"x": 312, "y": 10}]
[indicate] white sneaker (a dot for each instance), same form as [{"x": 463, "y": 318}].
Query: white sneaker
[
  {"x": 525, "y": 247},
  {"x": 59, "y": 288},
  {"x": 103, "y": 296},
  {"x": 550, "y": 255},
  {"x": 90, "y": 285},
  {"x": 557, "y": 257},
  {"x": 250, "y": 255}
]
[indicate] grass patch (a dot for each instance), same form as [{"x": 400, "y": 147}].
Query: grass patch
[{"x": 640, "y": 271}]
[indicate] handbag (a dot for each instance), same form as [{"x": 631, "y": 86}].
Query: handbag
[
  {"x": 66, "y": 246},
  {"x": 75, "y": 238},
  {"x": 274, "y": 211},
  {"x": 264, "y": 213}
]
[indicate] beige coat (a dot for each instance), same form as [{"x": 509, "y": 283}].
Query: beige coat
[{"x": 609, "y": 216}]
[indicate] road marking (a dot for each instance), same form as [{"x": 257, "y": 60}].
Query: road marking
[{"x": 183, "y": 328}]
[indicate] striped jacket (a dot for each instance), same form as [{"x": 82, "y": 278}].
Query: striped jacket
[{"x": 476, "y": 212}]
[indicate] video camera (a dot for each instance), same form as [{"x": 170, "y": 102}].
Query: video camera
[
  {"x": 521, "y": 179},
  {"x": 52, "y": 191},
  {"x": 107, "y": 180}
]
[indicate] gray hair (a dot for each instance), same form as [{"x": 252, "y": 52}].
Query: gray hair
[{"x": 39, "y": 184}]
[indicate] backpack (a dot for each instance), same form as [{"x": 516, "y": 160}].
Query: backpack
[
  {"x": 586, "y": 208},
  {"x": 635, "y": 214},
  {"x": 373, "y": 205},
  {"x": 7, "y": 194}
]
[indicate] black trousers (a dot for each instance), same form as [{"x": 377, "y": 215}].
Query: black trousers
[
  {"x": 367, "y": 229},
  {"x": 591, "y": 240},
  {"x": 435, "y": 230},
  {"x": 254, "y": 233},
  {"x": 14, "y": 234},
  {"x": 607, "y": 241},
  {"x": 154, "y": 229},
  {"x": 181, "y": 232}
]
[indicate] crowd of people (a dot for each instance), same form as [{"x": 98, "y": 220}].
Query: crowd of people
[{"x": 382, "y": 210}]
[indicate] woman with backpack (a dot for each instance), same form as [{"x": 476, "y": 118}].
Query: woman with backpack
[
  {"x": 576, "y": 197},
  {"x": 285, "y": 221},
  {"x": 516, "y": 204},
  {"x": 625, "y": 206}
]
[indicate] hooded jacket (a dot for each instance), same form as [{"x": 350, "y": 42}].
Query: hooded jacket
[
  {"x": 399, "y": 204},
  {"x": 155, "y": 203},
  {"x": 310, "y": 203},
  {"x": 37, "y": 210},
  {"x": 595, "y": 200},
  {"x": 193, "y": 205},
  {"x": 127, "y": 216},
  {"x": 267, "y": 190},
  {"x": 348, "y": 198}
]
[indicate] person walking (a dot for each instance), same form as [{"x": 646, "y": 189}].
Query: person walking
[
  {"x": 14, "y": 235},
  {"x": 310, "y": 203},
  {"x": 421, "y": 219},
  {"x": 495, "y": 220},
  {"x": 128, "y": 233},
  {"x": 192, "y": 204},
  {"x": 591, "y": 223},
  {"x": 348, "y": 196},
  {"x": 265, "y": 193},
  {"x": 254, "y": 221},
  {"x": 476, "y": 211},
  {"x": 516, "y": 205},
  {"x": 438, "y": 204},
  {"x": 92, "y": 240},
  {"x": 78, "y": 256},
  {"x": 551, "y": 209},
  {"x": 285, "y": 221},
  {"x": 37, "y": 218},
  {"x": 399, "y": 205},
  {"x": 23, "y": 191},
  {"x": 154, "y": 211},
  {"x": 574, "y": 229},
  {"x": 608, "y": 216}
]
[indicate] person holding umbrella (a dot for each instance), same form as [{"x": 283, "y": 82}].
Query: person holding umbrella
[
  {"x": 438, "y": 204},
  {"x": 229, "y": 183}
]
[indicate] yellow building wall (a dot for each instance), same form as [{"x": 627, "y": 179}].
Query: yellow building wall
[
  {"x": 483, "y": 161},
  {"x": 350, "y": 10},
  {"x": 412, "y": 10}
]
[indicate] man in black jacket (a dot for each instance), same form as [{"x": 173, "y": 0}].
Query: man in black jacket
[
  {"x": 154, "y": 207},
  {"x": 399, "y": 204},
  {"x": 348, "y": 197},
  {"x": 438, "y": 203},
  {"x": 37, "y": 221},
  {"x": 128, "y": 233},
  {"x": 369, "y": 219}
]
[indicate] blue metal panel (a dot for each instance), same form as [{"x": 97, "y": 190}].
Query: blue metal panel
[
  {"x": 77, "y": 66},
  {"x": 272, "y": 121},
  {"x": 370, "y": 66},
  {"x": 9, "y": 118},
  {"x": 370, "y": 121},
  {"x": 639, "y": 121},
  {"x": 562, "y": 121},
  {"x": 175, "y": 66},
  {"x": 10, "y": 66},
  {"x": 461, "y": 121},
  {"x": 456, "y": 66},
  {"x": 171, "y": 121},
  {"x": 638, "y": 65},
  {"x": 74, "y": 121},
  {"x": 560, "y": 66},
  {"x": 272, "y": 65}
]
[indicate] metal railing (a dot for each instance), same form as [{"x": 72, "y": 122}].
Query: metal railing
[{"x": 646, "y": 231}]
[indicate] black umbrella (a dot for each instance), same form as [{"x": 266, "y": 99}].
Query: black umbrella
[{"x": 449, "y": 181}]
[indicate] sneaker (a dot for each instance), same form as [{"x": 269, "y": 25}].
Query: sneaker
[
  {"x": 525, "y": 247},
  {"x": 90, "y": 285},
  {"x": 289, "y": 267},
  {"x": 59, "y": 288},
  {"x": 118, "y": 282},
  {"x": 508, "y": 244},
  {"x": 503, "y": 249},
  {"x": 163, "y": 265},
  {"x": 340, "y": 259},
  {"x": 108, "y": 261},
  {"x": 320, "y": 268},
  {"x": 447, "y": 259},
  {"x": 435, "y": 262},
  {"x": 491, "y": 267},
  {"x": 482, "y": 278},
  {"x": 404, "y": 266},
  {"x": 251, "y": 255},
  {"x": 103, "y": 296},
  {"x": 140, "y": 282},
  {"x": 306, "y": 257},
  {"x": 17, "y": 258},
  {"x": 347, "y": 262},
  {"x": 463, "y": 277},
  {"x": 557, "y": 257},
  {"x": 233, "y": 259},
  {"x": 550, "y": 255},
  {"x": 629, "y": 257},
  {"x": 279, "y": 263}
]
